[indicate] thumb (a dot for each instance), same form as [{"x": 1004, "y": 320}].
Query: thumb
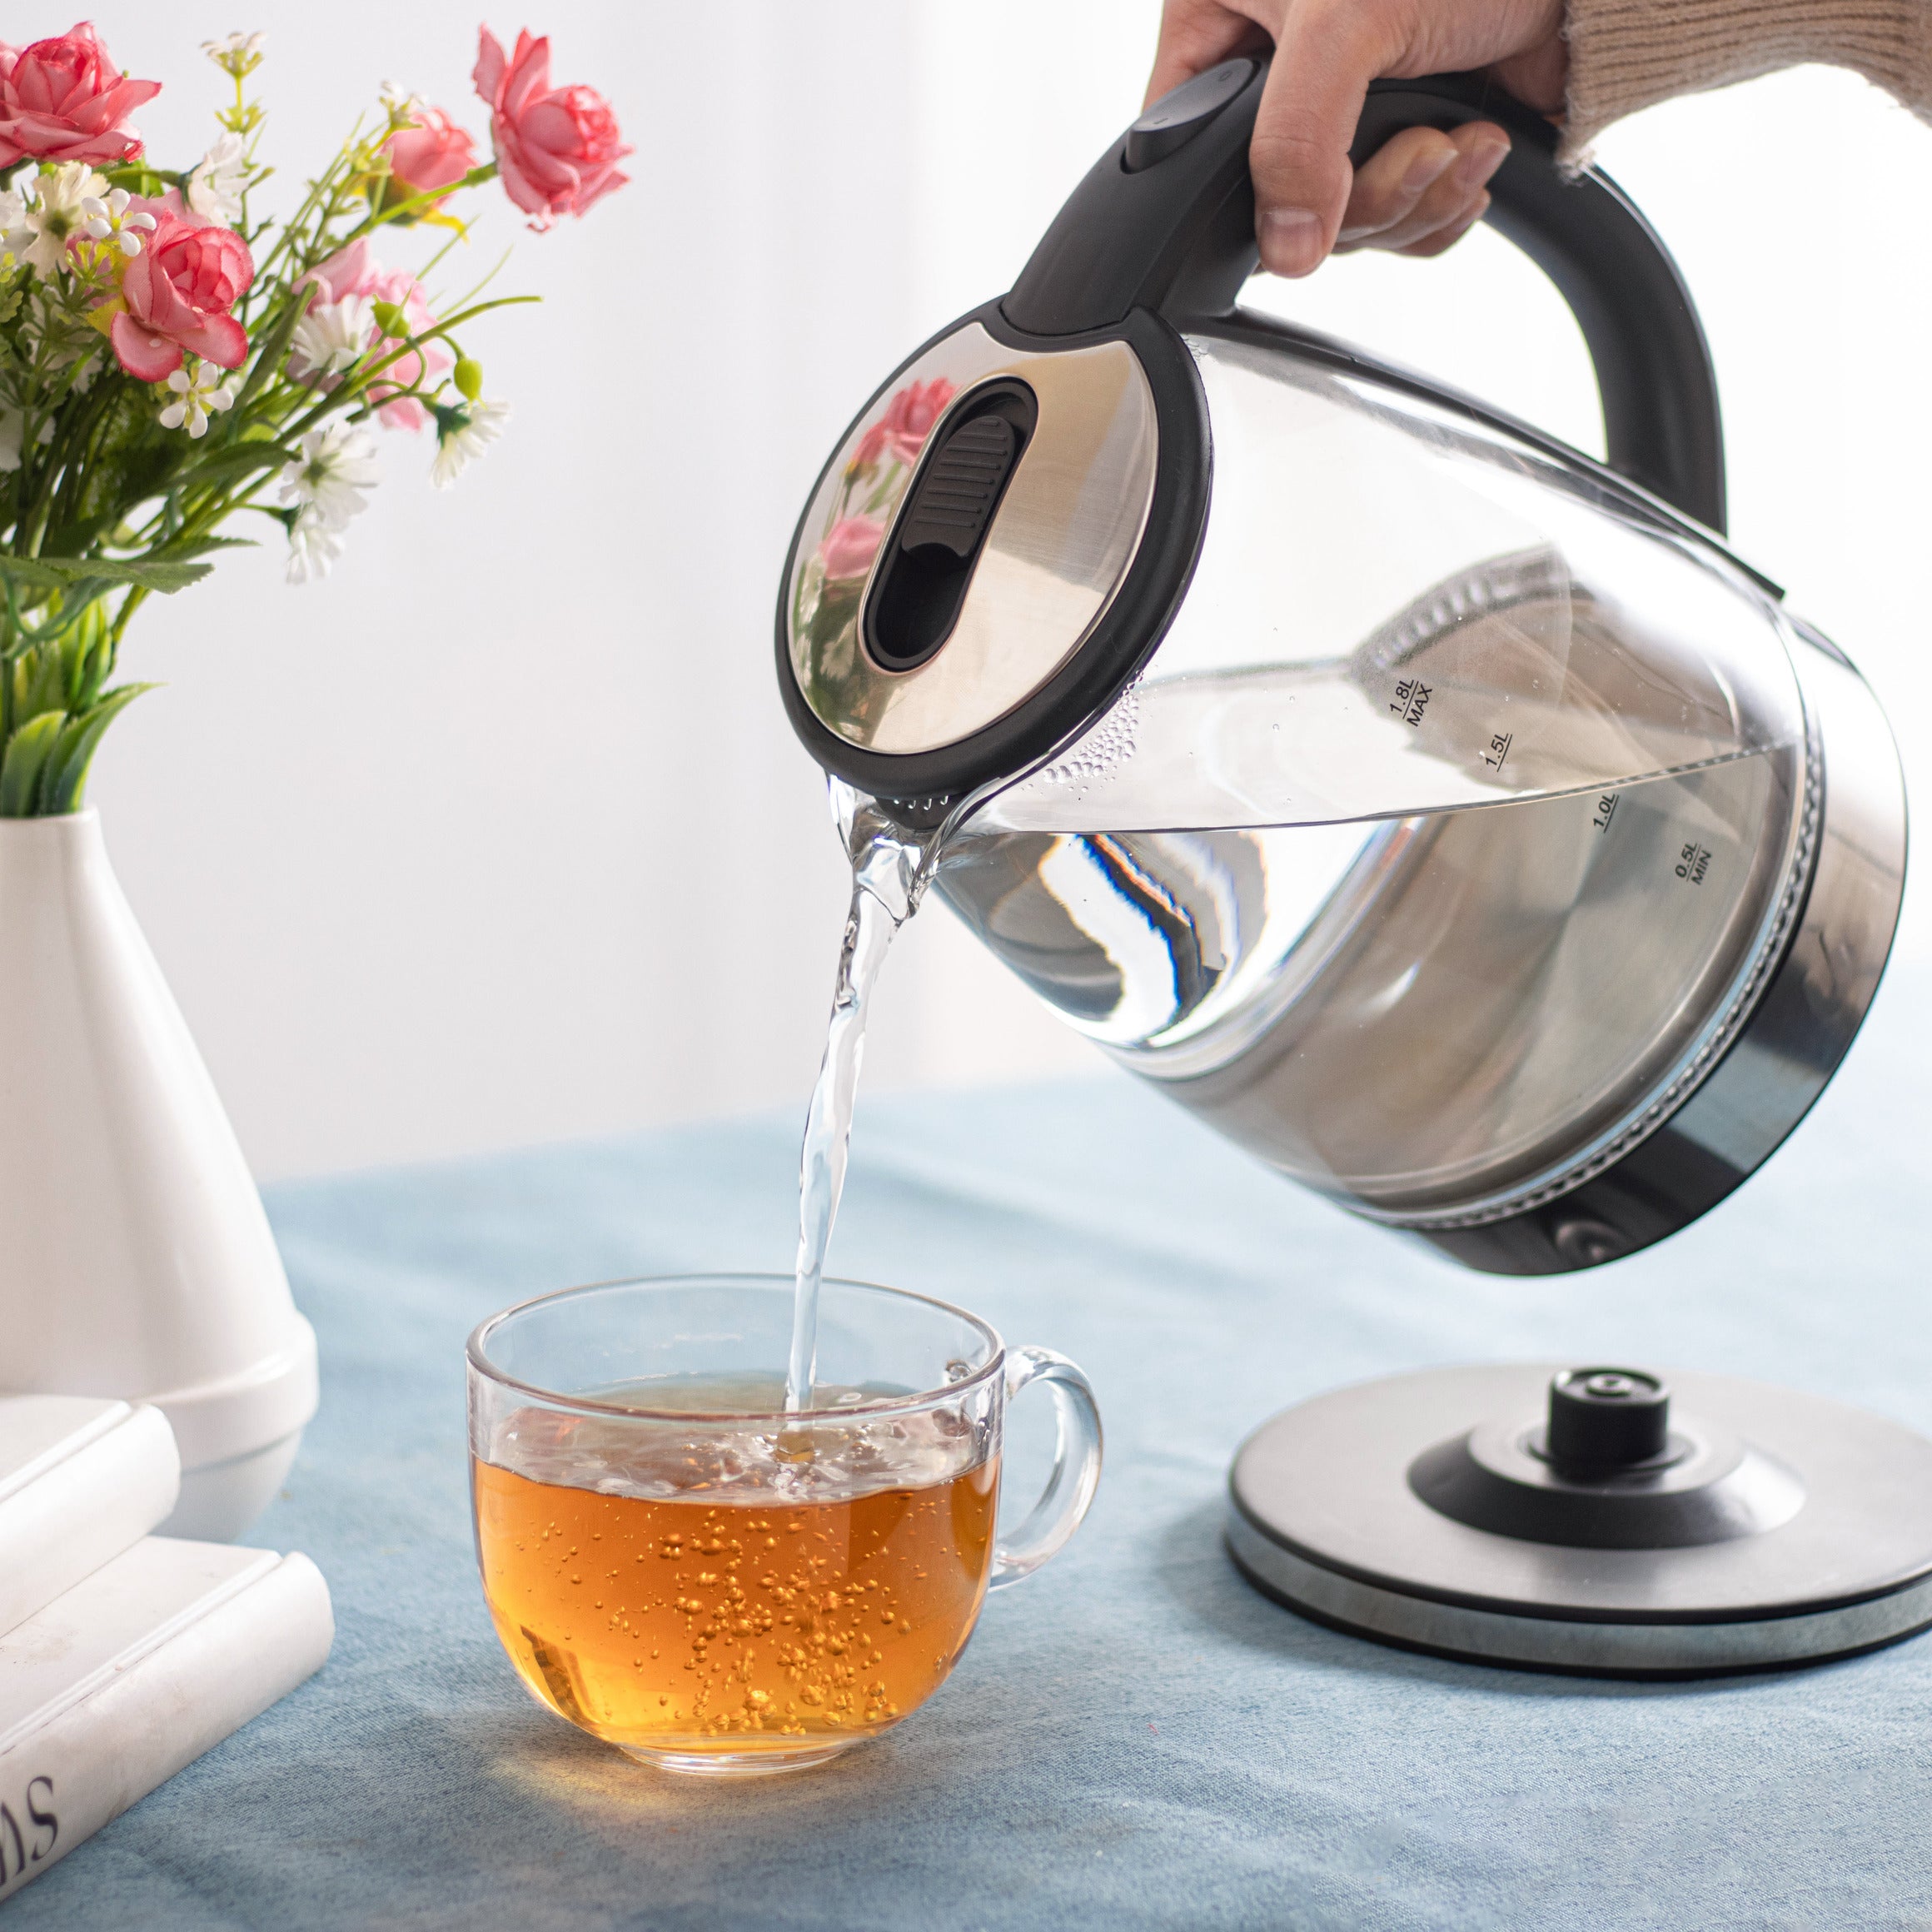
[{"x": 1326, "y": 55}]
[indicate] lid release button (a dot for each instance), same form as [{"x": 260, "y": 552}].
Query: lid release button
[
  {"x": 922, "y": 582},
  {"x": 1181, "y": 113}
]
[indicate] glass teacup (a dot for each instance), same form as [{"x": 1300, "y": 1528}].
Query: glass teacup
[{"x": 677, "y": 1566}]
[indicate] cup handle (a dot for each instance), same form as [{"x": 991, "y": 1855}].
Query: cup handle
[{"x": 1076, "y": 1472}]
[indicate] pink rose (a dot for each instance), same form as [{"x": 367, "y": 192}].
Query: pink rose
[
  {"x": 64, "y": 100},
  {"x": 902, "y": 432},
  {"x": 909, "y": 416},
  {"x": 432, "y": 152},
  {"x": 557, "y": 149},
  {"x": 176, "y": 294},
  {"x": 850, "y": 544},
  {"x": 353, "y": 272}
]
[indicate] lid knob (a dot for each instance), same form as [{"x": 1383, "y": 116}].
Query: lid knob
[
  {"x": 931, "y": 555},
  {"x": 1605, "y": 1419}
]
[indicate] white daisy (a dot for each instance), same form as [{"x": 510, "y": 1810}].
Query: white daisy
[
  {"x": 404, "y": 106},
  {"x": 331, "y": 337},
  {"x": 336, "y": 465},
  {"x": 313, "y": 547},
  {"x": 459, "y": 445},
  {"x": 109, "y": 220},
  {"x": 56, "y": 212},
  {"x": 238, "y": 54},
  {"x": 216, "y": 183},
  {"x": 196, "y": 396}
]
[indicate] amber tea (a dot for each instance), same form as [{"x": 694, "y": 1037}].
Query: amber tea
[
  {"x": 682, "y": 1562},
  {"x": 735, "y": 1589}
]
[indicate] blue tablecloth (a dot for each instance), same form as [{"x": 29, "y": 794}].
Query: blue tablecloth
[{"x": 1135, "y": 1739}]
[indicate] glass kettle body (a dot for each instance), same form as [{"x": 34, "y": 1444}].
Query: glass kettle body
[{"x": 1448, "y": 820}]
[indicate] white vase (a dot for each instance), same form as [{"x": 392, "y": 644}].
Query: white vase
[{"x": 135, "y": 1257}]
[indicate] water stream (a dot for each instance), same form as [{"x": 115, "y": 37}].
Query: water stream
[{"x": 890, "y": 867}]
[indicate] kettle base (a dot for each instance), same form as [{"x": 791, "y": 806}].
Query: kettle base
[{"x": 1327, "y": 1515}]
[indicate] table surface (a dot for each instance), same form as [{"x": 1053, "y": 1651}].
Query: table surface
[{"x": 1135, "y": 1738}]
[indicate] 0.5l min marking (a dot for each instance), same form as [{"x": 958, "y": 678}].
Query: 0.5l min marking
[{"x": 1693, "y": 862}]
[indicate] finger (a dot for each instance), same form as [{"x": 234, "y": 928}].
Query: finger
[
  {"x": 1390, "y": 184},
  {"x": 1196, "y": 35},
  {"x": 1326, "y": 55},
  {"x": 1447, "y": 237},
  {"x": 1539, "y": 76},
  {"x": 1476, "y": 154}
]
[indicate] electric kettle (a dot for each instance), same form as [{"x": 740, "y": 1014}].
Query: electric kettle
[{"x": 1448, "y": 818}]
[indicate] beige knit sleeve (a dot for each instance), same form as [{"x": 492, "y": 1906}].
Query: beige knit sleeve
[{"x": 1627, "y": 54}]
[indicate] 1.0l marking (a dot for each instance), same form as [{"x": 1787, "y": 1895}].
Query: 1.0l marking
[{"x": 1606, "y": 810}]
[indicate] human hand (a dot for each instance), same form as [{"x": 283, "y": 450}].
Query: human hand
[{"x": 1422, "y": 189}]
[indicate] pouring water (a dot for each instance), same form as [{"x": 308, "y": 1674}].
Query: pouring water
[{"x": 890, "y": 867}]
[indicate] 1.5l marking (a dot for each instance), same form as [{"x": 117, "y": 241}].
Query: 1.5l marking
[{"x": 1499, "y": 749}]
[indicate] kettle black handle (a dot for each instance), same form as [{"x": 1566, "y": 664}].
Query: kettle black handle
[{"x": 1165, "y": 221}]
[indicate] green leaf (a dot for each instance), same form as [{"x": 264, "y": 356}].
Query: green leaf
[
  {"x": 22, "y": 761},
  {"x": 66, "y": 776},
  {"x": 40, "y": 677},
  {"x": 268, "y": 355},
  {"x": 198, "y": 546},
  {"x": 236, "y": 459},
  {"x": 90, "y": 673},
  {"x": 65, "y": 573}
]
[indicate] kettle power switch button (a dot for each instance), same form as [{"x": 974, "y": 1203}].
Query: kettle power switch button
[{"x": 1178, "y": 116}]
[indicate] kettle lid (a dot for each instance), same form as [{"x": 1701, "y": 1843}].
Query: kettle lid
[{"x": 997, "y": 544}]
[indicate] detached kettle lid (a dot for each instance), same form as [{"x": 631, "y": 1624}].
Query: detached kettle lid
[{"x": 1005, "y": 532}]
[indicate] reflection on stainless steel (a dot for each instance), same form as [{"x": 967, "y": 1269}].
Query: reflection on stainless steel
[
  {"x": 1445, "y": 1014},
  {"x": 1505, "y": 1027},
  {"x": 1059, "y": 546},
  {"x": 1830, "y": 974}
]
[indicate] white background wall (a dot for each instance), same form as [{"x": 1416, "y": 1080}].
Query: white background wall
[{"x": 498, "y": 835}]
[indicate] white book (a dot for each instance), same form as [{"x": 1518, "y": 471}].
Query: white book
[
  {"x": 136, "y": 1671},
  {"x": 81, "y": 1479}
]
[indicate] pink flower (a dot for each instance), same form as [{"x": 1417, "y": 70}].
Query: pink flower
[
  {"x": 432, "y": 152},
  {"x": 850, "y": 544},
  {"x": 64, "y": 100},
  {"x": 902, "y": 432},
  {"x": 352, "y": 271},
  {"x": 176, "y": 294},
  {"x": 557, "y": 149}
]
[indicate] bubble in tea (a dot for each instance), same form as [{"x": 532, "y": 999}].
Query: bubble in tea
[{"x": 734, "y": 1586}]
